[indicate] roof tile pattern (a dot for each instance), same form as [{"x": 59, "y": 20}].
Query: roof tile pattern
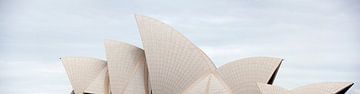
[
  {"x": 171, "y": 64},
  {"x": 242, "y": 75},
  {"x": 82, "y": 71},
  {"x": 174, "y": 62},
  {"x": 270, "y": 89},
  {"x": 100, "y": 84},
  {"x": 126, "y": 68}
]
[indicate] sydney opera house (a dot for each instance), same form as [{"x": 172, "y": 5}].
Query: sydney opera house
[{"x": 169, "y": 63}]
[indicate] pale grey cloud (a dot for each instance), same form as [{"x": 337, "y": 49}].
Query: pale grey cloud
[{"x": 319, "y": 40}]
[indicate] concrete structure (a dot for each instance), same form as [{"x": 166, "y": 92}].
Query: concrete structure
[{"x": 171, "y": 64}]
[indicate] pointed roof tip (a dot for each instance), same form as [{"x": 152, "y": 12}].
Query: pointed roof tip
[
  {"x": 115, "y": 42},
  {"x": 352, "y": 83},
  {"x": 66, "y": 57},
  {"x": 139, "y": 16},
  {"x": 136, "y": 16},
  {"x": 348, "y": 83},
  {"x": 261, "y": 57},
  {"x": 277, "y": 61},
  {"x": 343, "y": 82},
  {"x": 106, "y": 41}
]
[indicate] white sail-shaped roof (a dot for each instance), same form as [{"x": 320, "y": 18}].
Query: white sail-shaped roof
[
  {"x": 101, "y": 84},
  {"x": 271, "y": 89},
  {"x": 171, "y": 64},
  {"x": 83, "y": 71},
  {"x": 323, "y": 88},
  {"x": 200, "y": 86},
  {"x": 317, "y": 88},
  {"x": 138, "y": 84},
  {"x": 174, "y": 62},
  {"x": 127, "y": 70},
  {"x": 218, "y": 86},
  {"x": 211, "y": 84},
  {"x": 243, "y": 75}
]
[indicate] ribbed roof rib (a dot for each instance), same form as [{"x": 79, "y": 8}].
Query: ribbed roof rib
[{"x": 169, "y": 63}]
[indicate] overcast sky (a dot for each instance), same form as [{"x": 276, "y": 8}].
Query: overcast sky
[{"x": 319, "y": 39}]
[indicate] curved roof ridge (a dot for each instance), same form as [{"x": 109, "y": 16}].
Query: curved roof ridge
[
  {"x": 84, "y": 57},
  {"x": 168, "y": 26},
  {"x": 106, "y": 41},
  {"x": 243, "y": 74},
  {"x": 324, "y": 87},
  {"x": 236, "y": 61},
  {"x": 315, "y": 88},
  {"x": 169, "y": 51}
]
